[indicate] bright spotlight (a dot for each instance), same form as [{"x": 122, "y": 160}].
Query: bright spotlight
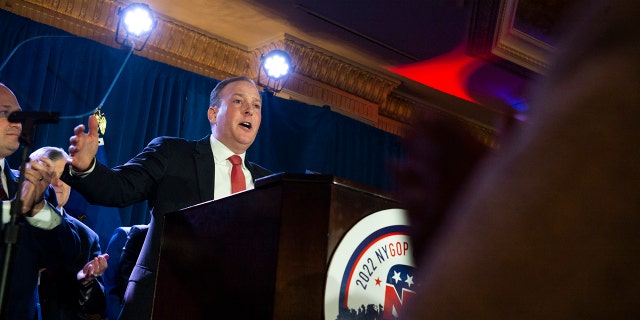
[
  {"x": 137, "y": 22},
  {"x": 276, "y": 66}
]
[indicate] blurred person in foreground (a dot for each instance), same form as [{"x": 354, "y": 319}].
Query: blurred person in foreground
[{"x": 547, "y": 225}]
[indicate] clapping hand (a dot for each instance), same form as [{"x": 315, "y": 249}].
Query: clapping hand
[
  {"x": 37, "y": 177},
  {"x": 93, "y": 269}
]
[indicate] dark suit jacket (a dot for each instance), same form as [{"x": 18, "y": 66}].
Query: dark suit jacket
[
  {"x": 61, "y": 295},
  {"x": 131, "y": 251},
  {"x": 171, "y": 174},
  {"x": 124, "y": 249},
  {"x": 112, "y": 285},
  {"x": 35, "y": 248}
]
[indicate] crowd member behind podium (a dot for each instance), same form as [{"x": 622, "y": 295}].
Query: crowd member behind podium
[
  {"x": 113, "y": 287},
  {"x": 131, "y": 251},
  {"x": 77, "y": 292},
  {"x": 548, "y": 227},
  {"x": 125, "y": 245},
  {"x": 45, "y": 240},
  {"x": 171, "y": 174}
]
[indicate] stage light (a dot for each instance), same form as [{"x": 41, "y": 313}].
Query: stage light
[
  {"x": 274, "y": 71},
  {"x": 135, "y": 24}
]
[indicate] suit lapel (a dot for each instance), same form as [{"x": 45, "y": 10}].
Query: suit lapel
[
  {"x": 251, "y": 169},
  {"x": 205, "y": 168},
  {"x": 12, "y": 180}
]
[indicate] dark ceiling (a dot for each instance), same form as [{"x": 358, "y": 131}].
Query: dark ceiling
[
  {"x": 424, "y": 41},
  {"x": 398, "y": 32},
  {"x": 442, "y": 45}
]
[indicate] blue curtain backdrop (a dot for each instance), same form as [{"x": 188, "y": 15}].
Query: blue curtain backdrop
[{"x": 71, "y": 75}]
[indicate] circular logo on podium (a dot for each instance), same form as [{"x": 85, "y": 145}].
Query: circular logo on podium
[{"x": 371, "y": 272}]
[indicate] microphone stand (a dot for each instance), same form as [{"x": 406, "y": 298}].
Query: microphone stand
[{"x": 12, "y": 229}]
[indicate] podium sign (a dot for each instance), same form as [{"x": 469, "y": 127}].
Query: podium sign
[{"x": 261, "y": 253}]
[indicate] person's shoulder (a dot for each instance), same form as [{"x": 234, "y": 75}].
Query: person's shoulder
[
  {"x": 137, "y": 228},
  {"x": 173, "y": 141},
  {"x": 167, "y": 139},
  {"x": 79, "y": 224},
  {"x": 171, "y": 146},
  {"x": 117, "y": 241},
  {"x": 136, "y": 236},
  {"x": 120, "y": 233}
]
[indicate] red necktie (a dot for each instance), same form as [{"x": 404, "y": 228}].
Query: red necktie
[
  {"x": 3, "y": 194},
  {"x": 237, "y": 176}
]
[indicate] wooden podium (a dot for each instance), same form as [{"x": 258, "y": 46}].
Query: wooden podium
[{"x": 259, "y": 254}]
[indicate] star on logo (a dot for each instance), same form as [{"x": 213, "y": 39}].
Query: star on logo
[
  {"x": 409, "y": 281},
  {"x": 396, "y": 276}
]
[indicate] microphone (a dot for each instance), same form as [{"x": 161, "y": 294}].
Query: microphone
[{"x": 35, "y": 117}]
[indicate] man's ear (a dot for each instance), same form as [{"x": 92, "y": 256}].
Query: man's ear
[{"x": 212, "y": 113}]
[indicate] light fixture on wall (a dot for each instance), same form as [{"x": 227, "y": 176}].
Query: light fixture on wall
[
  {"x": 135, "y": 23},
  {"x": 275, "y": 68}
]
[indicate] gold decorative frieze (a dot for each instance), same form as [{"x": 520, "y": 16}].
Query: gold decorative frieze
[
  {"x": 392, "y": 126},
  {"x": 398, "y": 112},
  {"x": 338, "y": 73},
  {"x": 339, "y": 101},
  {"x": 201, "y": 49},
  {"x": 397, "y": 107}
]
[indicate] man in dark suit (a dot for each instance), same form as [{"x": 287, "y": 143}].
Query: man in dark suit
[
  {"x": 114, "y": 282},
  {"x": 44, "y": 239},
  {"x": 77, "y": 292},
  {"x": 171, "y": 174}
]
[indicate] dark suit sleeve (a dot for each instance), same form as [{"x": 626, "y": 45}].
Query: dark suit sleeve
[
  {"x": 126, "y": 184},
  {"x": 113, "y": 286},
  {"x": 58, "y": 247}
]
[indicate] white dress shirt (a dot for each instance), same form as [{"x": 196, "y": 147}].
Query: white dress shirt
[{"x": 222, "y": 184}]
